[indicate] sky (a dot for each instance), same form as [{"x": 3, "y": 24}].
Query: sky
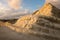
[
  {"x": 33, "y": 4},
  {"x": 10, "y": 9}
]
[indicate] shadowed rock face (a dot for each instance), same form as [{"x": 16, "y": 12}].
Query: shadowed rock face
[{"x": 44, "y": 24}]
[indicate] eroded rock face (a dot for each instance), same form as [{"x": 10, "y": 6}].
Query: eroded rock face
[
  {"x": 47, "y": 11},
  {"x": 44, "y": 23},
  {"x": 31, "y": 19}
]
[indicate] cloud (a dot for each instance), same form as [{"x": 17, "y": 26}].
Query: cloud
[
  {"x": 54, "y": 2},
  {"x": 14, "y": 15},
  {"x": 8, "y": 13},
  {"x": 3, "y": 8},
  {"x": 15, "y": 4}
]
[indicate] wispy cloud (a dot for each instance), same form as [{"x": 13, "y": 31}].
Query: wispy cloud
[
  {"x": 14, "y": 3},
  {"x": 8, "y": 13},
  {"x": 54, "y": 2}
]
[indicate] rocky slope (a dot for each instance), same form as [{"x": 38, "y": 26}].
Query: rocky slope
[{"x": 44, "y": 23}]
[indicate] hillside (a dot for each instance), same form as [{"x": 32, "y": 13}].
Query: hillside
[{"x": 43, "y": 24}]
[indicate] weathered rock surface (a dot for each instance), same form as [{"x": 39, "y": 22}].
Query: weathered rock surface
[{"x": 44, "y": 24}]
